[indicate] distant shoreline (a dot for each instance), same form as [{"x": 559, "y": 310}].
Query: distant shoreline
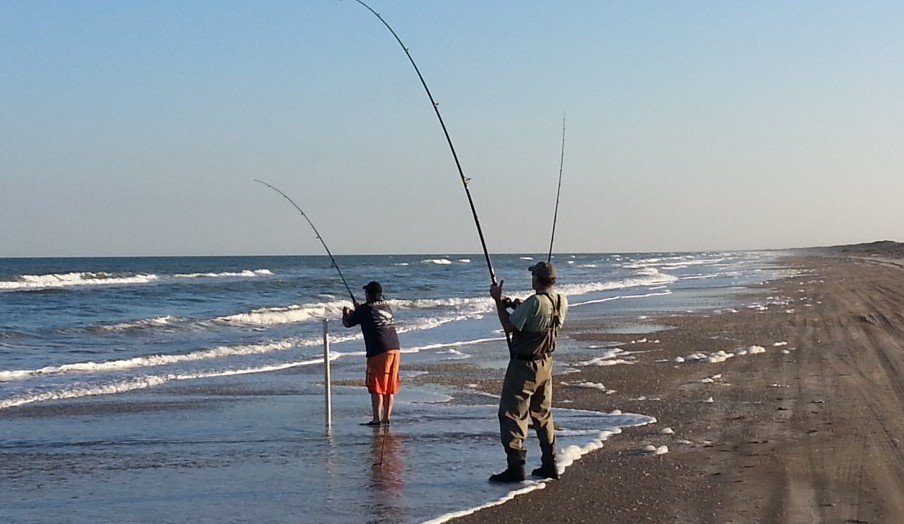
[{"x": 877, "y": 247}]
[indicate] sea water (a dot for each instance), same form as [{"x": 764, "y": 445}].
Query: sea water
[{"x": 185, "y": 389}]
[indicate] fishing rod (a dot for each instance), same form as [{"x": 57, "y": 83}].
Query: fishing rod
[
  {"x": 464, "y": 180},
  {"x": 320, "y": 238},
  {"x": 555, "y": 215}
]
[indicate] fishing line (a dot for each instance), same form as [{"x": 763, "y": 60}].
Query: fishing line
[
  {"x": 555, "y": 215},
  {"x": 320, "y": 238},
  {"x": 464, "y": 180},
  {"x": 382, "y": 448}
]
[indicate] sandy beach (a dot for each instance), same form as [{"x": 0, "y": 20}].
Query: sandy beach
[{"x": 802, "y": 425}]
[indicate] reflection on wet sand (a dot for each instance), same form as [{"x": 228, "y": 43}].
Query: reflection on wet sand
[{"x": 387, "y": 476}]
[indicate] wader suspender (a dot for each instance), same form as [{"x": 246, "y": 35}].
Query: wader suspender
[{"x": 556, "y": 319}]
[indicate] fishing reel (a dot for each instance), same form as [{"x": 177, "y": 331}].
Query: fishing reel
[{"x": 511, "y": 303}]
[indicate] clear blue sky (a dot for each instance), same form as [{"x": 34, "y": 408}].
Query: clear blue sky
[{"x": 137, "y": 128}]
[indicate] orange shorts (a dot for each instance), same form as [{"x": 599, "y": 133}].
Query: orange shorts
[{"x": 382, "y": 375}]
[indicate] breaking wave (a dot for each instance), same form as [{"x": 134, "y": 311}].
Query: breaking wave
[{"x": 102, "y": 278}]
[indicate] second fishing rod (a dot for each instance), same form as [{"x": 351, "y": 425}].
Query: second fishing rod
[
  {"x": 464, "y": 179},
  {"x": 439, "y": 116}
]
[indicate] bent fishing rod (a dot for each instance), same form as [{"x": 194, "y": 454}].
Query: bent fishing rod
[
  {"x": 320, "y": 238},
  {"x": 464, "y": 180},
  {"x": 555, "y": 214}
]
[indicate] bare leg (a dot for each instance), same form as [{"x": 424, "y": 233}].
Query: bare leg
[
  {"x": 376, "y": 404},
  {"x": 388, "y": 401}
]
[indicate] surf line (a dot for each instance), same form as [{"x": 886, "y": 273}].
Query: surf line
[
  {"x": 319, "y": 237},
  {"x": 464, "y": 179}
]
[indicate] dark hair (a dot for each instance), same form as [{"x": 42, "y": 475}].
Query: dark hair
[{"x": 374, "y": 287}]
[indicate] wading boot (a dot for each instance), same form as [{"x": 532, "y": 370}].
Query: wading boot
[
  {"x": 515, "y": 470},
  {"x": 547, "y": 469}
]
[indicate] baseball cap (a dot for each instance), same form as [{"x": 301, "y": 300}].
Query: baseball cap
[
  {"x": 374, "y": 287},
  {"x": 544, "y": 270}
]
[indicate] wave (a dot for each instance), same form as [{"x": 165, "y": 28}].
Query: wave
[
  {"x": 152, "y": 360},
  {"x": 132, "y": 384},
  {"x": 103, "y": 278},
  {"x": 137, "y": 325},
  {"x": 437, "y": 261},
  {"x": 678, "y": 262},
  {"x": 648, "y": 277},
  {"x": 620, "y": 297},
  {"x": 229, "y": 274},
  {"x": 220, "y": 352},
  {"x": 453, "y": 309},
  {"x": 458, "y": 308},
  {"x": 286, "y": 315},
  {"x": 60, "y": 280},
  {"x": 450, "y": 345},
  {"x": 162, "y": 360},
  {"x": 472, "y": 304},
  {"x": 425, "y": 324}
]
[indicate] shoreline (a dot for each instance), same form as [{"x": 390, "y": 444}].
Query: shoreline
[{"x": 805, "y": 430}]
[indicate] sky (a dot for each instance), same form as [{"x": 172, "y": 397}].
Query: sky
[{"x": 138, "y": 128}]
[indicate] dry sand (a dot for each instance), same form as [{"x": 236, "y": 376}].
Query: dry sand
[{"x": 805, "y": 432}]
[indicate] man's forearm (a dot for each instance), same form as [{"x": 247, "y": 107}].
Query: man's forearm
[{"x": 504, "y": 318}]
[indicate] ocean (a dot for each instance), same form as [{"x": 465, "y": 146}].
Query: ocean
[{"x": 192, "y": 389}]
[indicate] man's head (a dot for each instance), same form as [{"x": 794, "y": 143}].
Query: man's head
[
  {"x": 373, "y": 291},
  {"x": 544, "y": 273}
]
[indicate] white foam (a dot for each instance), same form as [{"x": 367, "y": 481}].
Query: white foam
[
  {"x": 647, "y": 278},
  {"x": 677, "y": 262},
  {"x": 102, "y": 278},
  {"x": 64, "y": 280},
  {"x": 442, "y": 345},
  {"x": 438, "y": 261},
  {"x": 586, "y": 385},
  {"x": 160, "y": 360},
  {"x": 472, "y": 304},
  {"x": 286, "y": 315},
  {"x": 751, "y": 350},
  {"x": 604, "y": 361},
  {"x": 599, "y": 301},
  {"x": 566, "y": 457},
  {"x": 156, "y": 322},
  {"x": 527, "y": 487},
  {"x": 246, "y": 273},
  {"x": 454, "y": 354},
  {"x": 135, "y": 383}
]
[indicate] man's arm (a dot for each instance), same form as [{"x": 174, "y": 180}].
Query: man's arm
[
  {"x": 347, "y": 314},
  {"x": 504, "y": 318}
]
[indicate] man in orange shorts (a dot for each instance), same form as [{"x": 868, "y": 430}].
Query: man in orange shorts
[{"x": 381, "y": 343}]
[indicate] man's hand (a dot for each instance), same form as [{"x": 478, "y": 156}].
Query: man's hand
[{"x": 496, "y": 291}]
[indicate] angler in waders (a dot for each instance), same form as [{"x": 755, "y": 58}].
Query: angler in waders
[{"x": 527, "y": 388}]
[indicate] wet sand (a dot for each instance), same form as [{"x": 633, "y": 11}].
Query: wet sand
[{"x": 810, "y": 430}]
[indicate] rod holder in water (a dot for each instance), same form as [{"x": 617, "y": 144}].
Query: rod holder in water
[{"x": 326, "y": 374}]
